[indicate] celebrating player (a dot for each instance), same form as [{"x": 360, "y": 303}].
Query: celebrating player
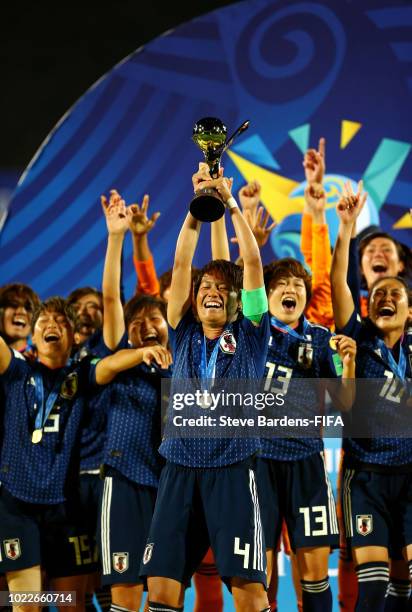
[
  {"x": 205, "y": 480},
  {"x": 377, "y": 469},
  {"x": 292, "y": 478},
  {"x": 39, "y": 521},
  {"x": 132, "y": 464}
]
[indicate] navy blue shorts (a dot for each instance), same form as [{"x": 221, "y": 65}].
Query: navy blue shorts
[
  {"x": 125, "y": 516},
  {"x": 199, "y": 507},
  {"x": 377, "y": 509},
  {"x": 300, "y": 493},
  {"x": 90, "y": 494},
  {"x": 53, "y": 536}
]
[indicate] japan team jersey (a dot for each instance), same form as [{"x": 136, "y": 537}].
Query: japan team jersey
[
  {"x": 371, "y": 363},
  {"x": 133, "y": 432},
  {"x": 291, "y": 358},
  {"x": 38, "y": 473},
  {"x": 93, "y": 433},
  {"x": 246, "y": 360}
]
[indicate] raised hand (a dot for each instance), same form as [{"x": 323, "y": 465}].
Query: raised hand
[
  {"x": 315, "y": 198},
  {"x": 115, "y": 212},
  {"x": 222, "y": 185},
  {"x": 258, "y": 223},
  {"x": 350, "y": 204},
  {"x": 249, "y": 196},
  {"x": 203, "y": 174},
  {"x": 346, "y": 348},
  {"x": 139, "y": 222},
  {"x": 314, "y": 163},
  {"x": 157, "y": 353}
]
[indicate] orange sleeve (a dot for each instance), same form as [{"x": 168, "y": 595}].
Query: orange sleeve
[
  {"x": 320, "y": 307},
  {"x": 364, "y": 306},
  {"x": 321, "y": 255},
  {"x": 306, "y": 238},
  {"x": 147, "y": 281}
]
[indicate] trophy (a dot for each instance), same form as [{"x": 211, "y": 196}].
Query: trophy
[{"x": 209, "y": 134}]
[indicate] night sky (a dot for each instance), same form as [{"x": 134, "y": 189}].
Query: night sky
[{"x": 51, "y": 53}]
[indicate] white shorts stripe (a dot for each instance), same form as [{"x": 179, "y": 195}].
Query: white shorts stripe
[
  {"x": 347, "y": 504},
  {"x": 258, "y": 560},
  {"x": 333, "y": 519},
  {"x": 105, "y": 524}
]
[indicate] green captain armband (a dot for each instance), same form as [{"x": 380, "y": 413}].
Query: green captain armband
[{"x": 255, "y": 304}]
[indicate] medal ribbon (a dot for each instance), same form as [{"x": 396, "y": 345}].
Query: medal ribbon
[
  {"x": 286, "y": 329},
  {"x": 399, "y": 369},
  {"x": 208, "y": 368},
  {"x": 44, "y": 410}
]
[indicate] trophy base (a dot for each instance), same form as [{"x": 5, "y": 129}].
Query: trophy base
[{"x": 207, "y": 205}]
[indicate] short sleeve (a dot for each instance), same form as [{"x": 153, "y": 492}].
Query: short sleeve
[
  {"x": 176, "y": 335},
  {"x": 17, "y": 369},
  {"x": 258, "y": 338},
  {"x": 353, "y": 327}
]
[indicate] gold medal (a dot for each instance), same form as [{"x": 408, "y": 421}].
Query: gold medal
[
  {"x": 332, "y": 343},
  {"x": 37, "y": 436}
]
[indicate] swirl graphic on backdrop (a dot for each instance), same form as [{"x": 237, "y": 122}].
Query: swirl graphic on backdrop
[{"x": 284, "y": 53}]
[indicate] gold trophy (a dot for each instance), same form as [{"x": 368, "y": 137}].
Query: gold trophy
[{"x": 209, "y": 134}]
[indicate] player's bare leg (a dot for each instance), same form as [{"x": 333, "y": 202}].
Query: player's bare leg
[
  {"x": 165, "y": 591},
  {"x": 296, "y": 579},
  {"x": 127, "y": 595},
  {"x": 249, "y": 596},
  {"x": 272, "y": 576},
  {"x": 25, "y": 580},
  {"x": 72, "y": 583},
  {"x": 313, "y": 562}
]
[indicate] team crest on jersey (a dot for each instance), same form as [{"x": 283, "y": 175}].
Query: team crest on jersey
[
  {"x": 364, "y": 524},
  {"x": 305, "y": 355},
  {"x": 12, "y": 549},
  {"x": 69, "y": 387},
  {"x": 228, "y": 342},
  {"x": 147, "y": 555},
  {"x": 121, "y": 562}
]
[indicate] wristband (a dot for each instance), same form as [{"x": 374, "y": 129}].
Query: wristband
[{"x": 231, "y": 203}]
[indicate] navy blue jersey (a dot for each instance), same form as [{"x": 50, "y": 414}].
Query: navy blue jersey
[
  {"x": 134, "y": 424},
  {"x": 38, "y": 473},
  {"x": 94, "y": 346},
  {"x": 93, "y": 432},
  {"x": 290, "y": 358},
  {"x": 370, "y": 364},
  {"x": 246, "y": 360}
]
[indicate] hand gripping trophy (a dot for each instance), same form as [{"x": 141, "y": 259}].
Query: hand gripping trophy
[{"x": 209, "y": 134}]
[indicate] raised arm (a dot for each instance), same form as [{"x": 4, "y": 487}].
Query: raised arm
[
  {"x": 5, "y": 356},
  {"x": 125, "y": 359},
  {"x": 252, "y": 263},
  {"x": 314, "y": 166},
  {"x": 255, "y": 215},
  {"x": 348, "y": 209},
  {"x": 181, "y": 285},
  {"x": 218, "y": 233},
  {"x": 140, "y": 225},
  {"x": 117, "y": 225}
]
